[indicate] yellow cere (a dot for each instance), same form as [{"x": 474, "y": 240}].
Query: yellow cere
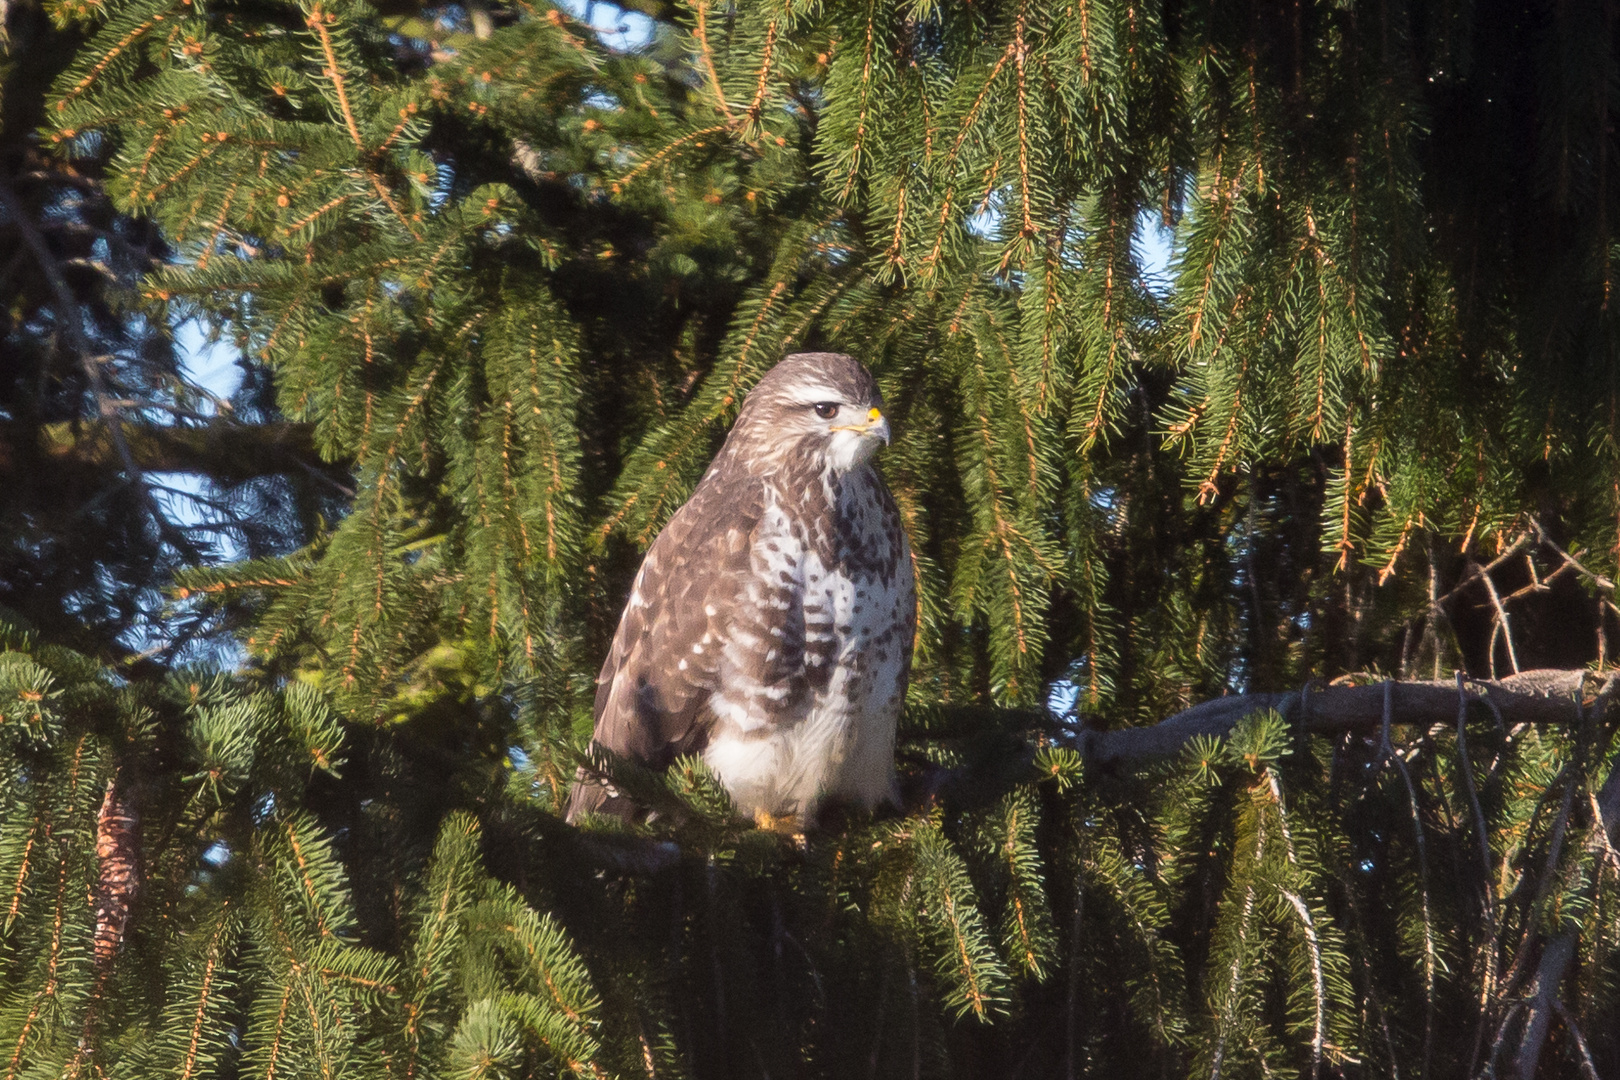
[{"x": 874, "y": 414}]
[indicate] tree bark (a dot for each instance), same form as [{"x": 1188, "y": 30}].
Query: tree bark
[{"x": 1536, "y": 697}]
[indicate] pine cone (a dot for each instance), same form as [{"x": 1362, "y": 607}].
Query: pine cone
[{"x": 119, "y": 876}]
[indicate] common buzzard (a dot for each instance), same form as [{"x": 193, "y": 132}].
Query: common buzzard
[{"x": 770, "y": 627}]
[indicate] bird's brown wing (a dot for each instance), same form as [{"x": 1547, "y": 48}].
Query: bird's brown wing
[{"x": 660, "y": 673}]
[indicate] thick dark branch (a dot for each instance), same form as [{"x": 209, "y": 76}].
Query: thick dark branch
[
  {"x": 70, "y": 317},
  {"x": 1541, "y": 697},
  {"x": 1535, "y": 697},
  {"x": 223, "y": 450},
  {"x": 1532, "y": 697}
]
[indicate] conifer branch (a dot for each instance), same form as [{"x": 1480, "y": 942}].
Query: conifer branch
[
  {"x": 281, "y": 1033},
  {"x": 1027, "y": 229},
  {"x": 1318, "y": 980},
  {"x": 205, "y": 995},
  {"x": 388, "y": 200},
  {"x": 893, "y": 255},
  {"x": 1052, "y": 303},
  {"x": 218, "y": 229},
  {"x": 135, "y": 34},
  {"x": 1229, "y": 1003},
  {"x": 1557, "y": 953},
  {"x": 317, "y": 22},
  {"x": 19, "y": 887},
  {"x": 52, "y": 985},
  {"x": 1209, "y": 488},
  {"x": 971, "y": 116},
  {"x": 756, "y": 106},
  {"x": 295, "y": 227},
  {"x": 701, "y": 32},
  {"x": 664, "y": 152},
  {"x": 857, "y": 144},
  {"x": 1533, "y": 697},
  {"x": 184, "y": 171},
  {"x": 1225, "y": 203}
]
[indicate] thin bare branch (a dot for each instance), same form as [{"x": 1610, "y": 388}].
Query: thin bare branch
[
  {"x": 1501, "y": 623},
  {"x": 1588, "y": 1070},
  {"x": 1593, "y": 576},
  {"x": 1474, "y": 569},
  {"x": 1431, "y": 958},
  {"x": 1488, "y": 950},
  {"x": 1556, "y": 956},
  {"x": 1554, "y": 959}
]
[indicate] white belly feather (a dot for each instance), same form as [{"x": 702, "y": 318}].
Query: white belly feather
[{"x": 840, "y": 742}]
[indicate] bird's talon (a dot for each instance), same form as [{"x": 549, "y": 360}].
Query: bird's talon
[{"x": 782, "y": 824}]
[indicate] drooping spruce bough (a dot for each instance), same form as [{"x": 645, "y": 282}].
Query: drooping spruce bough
[{"x": 517, "y": 274}]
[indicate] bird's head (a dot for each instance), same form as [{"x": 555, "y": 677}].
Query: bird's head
[{"x": 825, "y": 405}]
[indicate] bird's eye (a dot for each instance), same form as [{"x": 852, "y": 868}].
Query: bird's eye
[{"x": 826, "y": 409}]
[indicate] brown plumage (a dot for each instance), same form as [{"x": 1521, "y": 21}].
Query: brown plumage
[{"x": 770, "y": 626}]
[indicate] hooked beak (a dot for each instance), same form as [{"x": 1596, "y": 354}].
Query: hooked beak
[{"x": 877, "y": 424}]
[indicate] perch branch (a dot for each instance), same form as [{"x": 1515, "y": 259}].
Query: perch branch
[{"x": 1534, "y": 697}]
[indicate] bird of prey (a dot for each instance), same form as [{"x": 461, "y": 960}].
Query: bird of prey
[{"x": 770, "y": 627}]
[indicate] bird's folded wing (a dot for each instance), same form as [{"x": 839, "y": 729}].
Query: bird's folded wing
[{"x": 666, "y": 658}]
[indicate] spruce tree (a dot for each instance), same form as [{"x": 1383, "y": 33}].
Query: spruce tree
[
  {"x": 117, "y": 470},
  {"x": 1346, "y": 476}
]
